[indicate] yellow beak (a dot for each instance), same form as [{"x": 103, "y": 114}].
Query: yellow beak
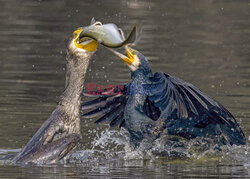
[
  {"x": 84, "y": 43},
  {"x": 132, "y": 59},
  {"x": 129, "y": 59}
]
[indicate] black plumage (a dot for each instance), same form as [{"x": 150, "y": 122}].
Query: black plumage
[{"x": 153, "y": 103}]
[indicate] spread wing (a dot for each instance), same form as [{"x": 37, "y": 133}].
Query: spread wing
[
  {"x": 108, "y": 106},
  {"x": 182, "y": 104}
]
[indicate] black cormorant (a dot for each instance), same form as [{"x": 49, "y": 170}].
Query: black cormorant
[{"x": 160, "y": 104}]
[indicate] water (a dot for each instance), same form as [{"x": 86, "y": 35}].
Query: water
[{"x": 206, "y": 43}]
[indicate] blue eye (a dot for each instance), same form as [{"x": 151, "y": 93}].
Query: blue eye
[
  {"x": 75, "y": 34},
  {"x": 134, "y": 53}
]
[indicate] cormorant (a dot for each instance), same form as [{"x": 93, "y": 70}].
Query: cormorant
[
  {"x": 61, "y": 132},
  {"x": 152, "y": 105}
]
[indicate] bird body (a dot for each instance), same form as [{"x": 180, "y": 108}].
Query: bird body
[
  {"x": 61, "y": 132},
  {"x": 158, "y": 104}
]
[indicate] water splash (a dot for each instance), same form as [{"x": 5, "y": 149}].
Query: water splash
[
  {"x": 108, "y": 146},
  {"x": 115, "y": 146}
]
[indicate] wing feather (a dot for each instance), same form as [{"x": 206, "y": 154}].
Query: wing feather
[
  {"x": 182, "y": 104},
  {"x": 108, "y": 106}
]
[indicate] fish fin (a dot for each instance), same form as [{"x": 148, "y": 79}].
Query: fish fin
[{"x": 92, "y": 21}]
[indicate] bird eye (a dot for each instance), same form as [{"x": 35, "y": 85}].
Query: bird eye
[
  {"x": 75, "y": 34},
  {"x": 134, "y": 52}
]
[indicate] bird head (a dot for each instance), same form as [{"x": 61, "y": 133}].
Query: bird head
[
  {"x": 80, "y": 42},
  {"x": 134, "y": 60},
  {"x": 83, "y": 43}
]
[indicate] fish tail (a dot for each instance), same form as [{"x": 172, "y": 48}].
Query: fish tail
[{"x": 135, "y": 35}]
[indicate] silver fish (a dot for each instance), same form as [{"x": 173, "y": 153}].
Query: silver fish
[{"x": 110, "y": 35}]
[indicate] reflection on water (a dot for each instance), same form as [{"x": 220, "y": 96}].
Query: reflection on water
[{"x": 206, "y": 43}]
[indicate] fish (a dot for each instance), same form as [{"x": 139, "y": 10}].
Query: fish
[{"x": 110, "y": 35}]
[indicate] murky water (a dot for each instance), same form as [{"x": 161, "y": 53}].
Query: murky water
[{"x": 206, "y": 43}]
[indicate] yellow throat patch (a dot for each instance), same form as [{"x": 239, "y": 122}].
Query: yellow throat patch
[{"x": 91, "y": 46}]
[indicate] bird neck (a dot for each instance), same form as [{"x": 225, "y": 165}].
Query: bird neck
[
  {"x": 77, "y": 64},
  {"x": 141, "y": 76}
]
